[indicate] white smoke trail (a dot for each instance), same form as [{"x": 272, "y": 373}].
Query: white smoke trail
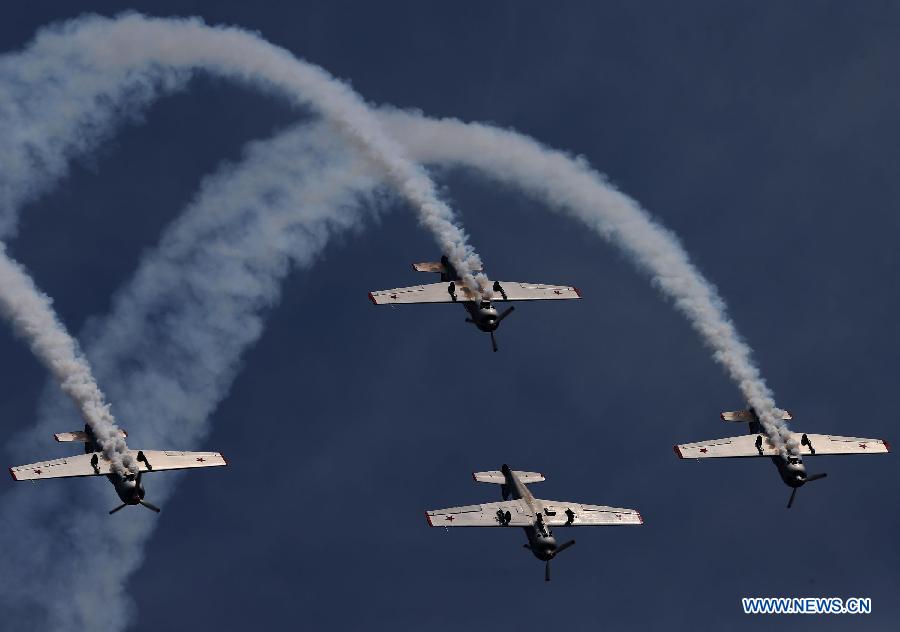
[
  {"x": 118, "y": 62},
  {"x": 198, "y": 301},
  {"x": 31, "y": 314},
  {"x": 196, "y": 304},
  {"x": 569, "y": 184},
  {"x": 169, "y": 352}
]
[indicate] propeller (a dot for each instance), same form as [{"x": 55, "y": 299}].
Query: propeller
[
  {"x": 556, "y": 551},
  {"x": 809, "y": 479},
  {"x": 503, "y": 315},
  {"x": 143, "y": 502}
]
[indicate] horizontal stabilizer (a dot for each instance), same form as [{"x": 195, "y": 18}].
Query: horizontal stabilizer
[
  {"x": 496, "y": 477},
  {"x": 748, "y": 416},
  {"x": 759, "y": 445},
  {"x": 80, "y": 435}
]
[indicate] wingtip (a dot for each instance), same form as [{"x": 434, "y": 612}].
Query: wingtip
[
  {"x": 13, "y": 474},
  {"x": 372, "y": 298},
  {"x": 722, "y": 416},
  {"x": 223, "y": 458},
  {"x": 677, "y": 449},
  {"x": 887, "y": 445},
  {"x": 428, "y": 518},
  {"x": 577, "y": 291},
  {"x": 640, "y": 517}
]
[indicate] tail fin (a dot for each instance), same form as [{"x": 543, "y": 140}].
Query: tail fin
[
  {"x": 747, "y": 416},
  {"x": 80, "y": 435},
  {"x": 496, "y": 477}
]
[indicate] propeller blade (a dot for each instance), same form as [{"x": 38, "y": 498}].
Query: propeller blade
[
  {"x": 547, "y": 571},
  {"x": 816, "y": 477},
  {"x": 791, "y": 501},
  {"x": 563, "y": 547},
  {"x": 122, "y": 506},
  {"x": 149, "y": 506},
  {"x": 493, "y": 342},
  {"x": 506, "y": 313}
]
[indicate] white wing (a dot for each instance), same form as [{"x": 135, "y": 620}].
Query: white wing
[
  {"x": 831, "y": 444},
  {"x": 430, "y": 293},
  {"x": 440, "y": 293},
  {"x": 81, "y": 465},
  {"x": 161, "y": 460},
  {"x": 515, "y": 291},
  {"x": 748, "y": 446},
  {"x": 486, "y": 515},
  {"x": 586, "y": 515}
]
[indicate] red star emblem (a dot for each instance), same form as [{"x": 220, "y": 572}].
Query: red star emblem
[
  {"x": 201, "y": 459},
  {"x": 704, "y": 450},
  {"x": 450, "y": 518},
  {"x": 38, "y": 471},
  {"x": 862, "y": 445}
]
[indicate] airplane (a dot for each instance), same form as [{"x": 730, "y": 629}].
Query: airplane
[
  {"x": 757, "y": 443},
  {"x": 482, "y": 313},
  {"x": 94, "y": 463},
  {"x": 521, "y": 509}
]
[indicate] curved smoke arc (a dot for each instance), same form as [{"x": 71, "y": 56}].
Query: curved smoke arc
[
  {"x": 113, "y": 553},
  {"x": 89, "y": 73},
  {"x": 302, "y": 183}
]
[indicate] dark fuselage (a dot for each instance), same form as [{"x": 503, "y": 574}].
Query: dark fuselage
[
  {"x": 792, "y": 470},
  {"x": 540, "y": 538},
  {"x": 129, "y": 490},
  {"x": 482, "y": 314}
]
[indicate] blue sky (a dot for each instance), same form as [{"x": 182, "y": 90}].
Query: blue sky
[{"x": 764, "y": 136}]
